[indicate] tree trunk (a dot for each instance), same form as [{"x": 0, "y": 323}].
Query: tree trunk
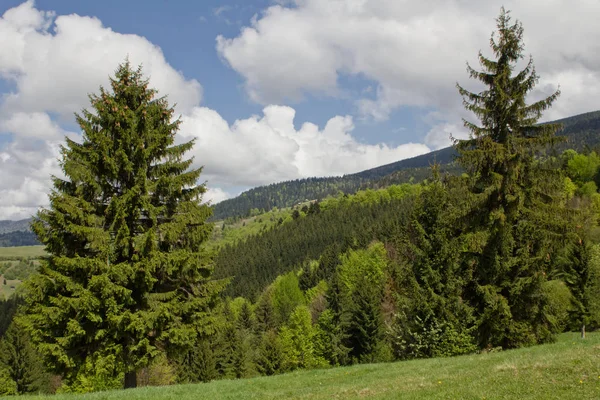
[
  {"x": 583, "y": 331},
  {"x": 130, "y": 381}
]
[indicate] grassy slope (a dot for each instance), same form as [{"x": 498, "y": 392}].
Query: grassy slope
[{"x": 568, "y": 369}]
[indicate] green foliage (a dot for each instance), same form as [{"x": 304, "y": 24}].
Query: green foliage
[
  {"x": 160, "y": 373},
  {"x": 560, "y": 303},
  {"x": 513, "y": 195},
  {"x": 286, "y": 296},
  {"x": 362, "y": 321},
  {"x": 20, "y": 270},
  {"x": 99, "y": 372},
  {"x": 588, "y": 189},
  {"x": 297, "y": 340},
  {"x": 582, "y": 168},
  {"x": 23, "y": 363},
  {"x": 563, "y": 370},
  {"x": 430, "y": 338},
  {"x": 18, "y": 238},
  {"x": 270, "y": 358},
  {"x": 359, "y": 284},
  {"x": 592, "y": 290},
  {"x": 363, "y": 265},
  {"x": 8, "y": 309},
  {"x": 431, "y": 318},
  {"x": 126, "y": 276},
  {"x": 7, "y": 385},
  {"x": 199, "y": 363},
  {"x": 330, "y": 339}
]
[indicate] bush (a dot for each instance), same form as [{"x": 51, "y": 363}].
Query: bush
[
  {"x": 159, "y": 373},
  {"x": 7, "y": 385},
  {"x": 559, "y": 300}
]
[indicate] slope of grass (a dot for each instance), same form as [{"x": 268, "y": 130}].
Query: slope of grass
[{"x": 568, "y": 369}]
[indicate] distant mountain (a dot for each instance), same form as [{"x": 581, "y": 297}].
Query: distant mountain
[
  {"x": 582, "y": 131},
  {"x": 17, "y": 233},
  {"x": 7, "y": 226}
]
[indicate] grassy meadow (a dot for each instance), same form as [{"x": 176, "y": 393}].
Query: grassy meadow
[
  {"x": 567, "y": 369},
  {"x": 21, "y": 252}
]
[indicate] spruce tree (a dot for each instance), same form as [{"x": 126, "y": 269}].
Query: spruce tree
[
  {"x": 126, "y": 273},
  {"x": 512, "y": 218},
  {"x": 23, "y": 363}
]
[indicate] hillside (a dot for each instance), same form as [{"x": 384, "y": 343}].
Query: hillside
[
  {"x": 567, "y": 369},
  {"x": 582, "y": 131},
  {"x": 16, "y": 233}
]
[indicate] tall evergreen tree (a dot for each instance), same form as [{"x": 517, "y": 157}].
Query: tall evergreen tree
[
  {"x": 512, "y": 193},
  {"x": 126, "y": 274}
]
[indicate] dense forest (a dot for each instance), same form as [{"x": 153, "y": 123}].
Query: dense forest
[{"x": 499, "y": 249}]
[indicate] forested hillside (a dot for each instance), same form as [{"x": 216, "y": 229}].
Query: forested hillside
[
  {"x": 17, "y": 233},
  {"x": 18, "y": 238},
  {"x": 332, "y": 226},
  {"x": 582, "y": 132}
]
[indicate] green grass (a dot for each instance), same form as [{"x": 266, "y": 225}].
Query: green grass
[
  {"x": 7, "y": 290},
  {"x": 21, "y": 251},
  {"x": 568, "y": 369}
]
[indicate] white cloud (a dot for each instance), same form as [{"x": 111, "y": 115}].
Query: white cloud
[
  {"x": 215, "y": 195},
  {"x": 268, "y": 148},
  {"x": 55, "y": 63},
  {"x": 26, "y": 166},
  {"x": 32, "y": 125},
  {"x": 415, "y": 51}
]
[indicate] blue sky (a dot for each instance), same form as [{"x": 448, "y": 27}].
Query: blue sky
[{"x": 272, "y": 89}]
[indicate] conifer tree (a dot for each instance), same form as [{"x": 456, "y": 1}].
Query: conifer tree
[
  {"x": 23, "y": 363},
  {"x": 512, "y": 217},
  {"x": 126, "y": 274}
]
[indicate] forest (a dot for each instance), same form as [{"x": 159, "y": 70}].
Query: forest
[{"x": 499, "y": 249}]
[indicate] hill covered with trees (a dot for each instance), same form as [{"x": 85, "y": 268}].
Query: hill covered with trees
[{"x": 581, "y": 132}]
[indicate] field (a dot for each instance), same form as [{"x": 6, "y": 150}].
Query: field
[
  {"x": 568, "y": 369},
  {"x": 21, "y": 251},
  {"x": 13, "y": 268}
]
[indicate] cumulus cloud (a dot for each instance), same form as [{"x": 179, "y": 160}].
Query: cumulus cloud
[
  {"x": 269, "y": 148},
  {"x": 26, "y": 167},
  {"x": 55, "y": 62},
  {"x": 414, "y": 51}
]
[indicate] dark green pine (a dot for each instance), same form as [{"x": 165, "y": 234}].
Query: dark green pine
[
  {"x": 126, "y": 276},
  {"x": 513, "y": 219}
]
